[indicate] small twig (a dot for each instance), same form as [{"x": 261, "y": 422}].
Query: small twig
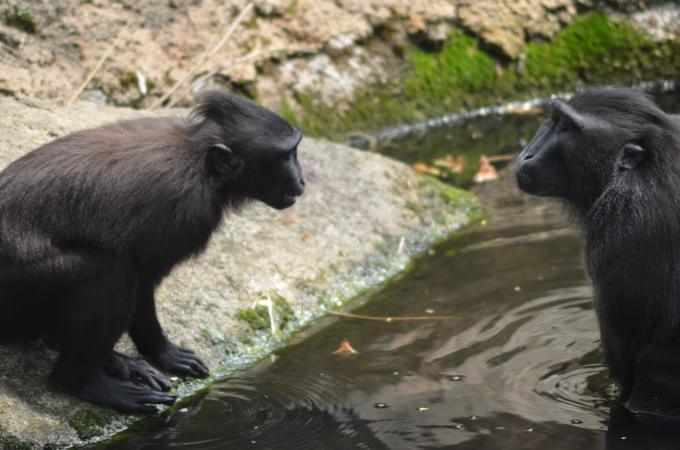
[
  {"x": 400, "y": 249},
  {"x": 103, "y": 59},
  {"x": 205, "y": 56},
  {"x": 389, "y": 318},
  {"x": 267, "y": 302},
  {"x": 499, "y": 158}
]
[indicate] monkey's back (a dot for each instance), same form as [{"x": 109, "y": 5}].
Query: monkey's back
[{"x": 133, "y": 186}]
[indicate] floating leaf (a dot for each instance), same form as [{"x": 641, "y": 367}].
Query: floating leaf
[
  {"x": 486, "y": 171},
  {"x": 453, "y": 164},
  {"x": 424, "y": 168},
  {"x": 345, "y": 349}
]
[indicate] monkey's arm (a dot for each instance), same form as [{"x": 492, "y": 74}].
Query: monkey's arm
[{"x": 148, "y": 336}]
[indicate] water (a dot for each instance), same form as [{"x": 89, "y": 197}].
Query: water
[{"x": 502, "y": 353}]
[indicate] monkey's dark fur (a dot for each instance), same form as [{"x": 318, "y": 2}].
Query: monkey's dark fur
[
  {"x": 615, "y": 156},
  {"x": 91, "y": 223}
]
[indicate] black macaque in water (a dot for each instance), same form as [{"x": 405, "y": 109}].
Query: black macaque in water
[
  {"x": 91, "y": 223},
  {"x": 614, "y": 157}
]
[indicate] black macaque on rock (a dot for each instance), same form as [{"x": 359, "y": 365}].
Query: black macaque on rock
[
  {"x": 91, "y": 223},
  {"x": 614, "y": 157}
]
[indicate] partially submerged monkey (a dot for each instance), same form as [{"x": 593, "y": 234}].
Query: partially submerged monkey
[
  {"x": 614, "y": 156},
  {"x": 92, "y": 222}
]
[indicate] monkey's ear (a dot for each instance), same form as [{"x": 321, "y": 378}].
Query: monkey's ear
[
  {"x": 222, "y": 161},
  {"x": 565, "y": 112},
  {"x": 632, "y": 155}
]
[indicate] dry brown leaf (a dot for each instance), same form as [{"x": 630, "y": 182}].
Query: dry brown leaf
[
  {"x": 486, "y": 171},
  {"x": 452, "y": 163},
  {"x": 345, "y": 349},
  {"x": 288, "y": 219},
  {"x": 424, "y": 168}
]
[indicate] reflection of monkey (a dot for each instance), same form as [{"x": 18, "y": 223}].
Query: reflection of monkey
[{"x": 91, "y": 223}]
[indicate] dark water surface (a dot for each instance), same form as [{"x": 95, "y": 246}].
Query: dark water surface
[{"x": 514, "y": 364}]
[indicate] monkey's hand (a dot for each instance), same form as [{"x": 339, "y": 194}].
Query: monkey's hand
[{"x": 179, "y": 361}]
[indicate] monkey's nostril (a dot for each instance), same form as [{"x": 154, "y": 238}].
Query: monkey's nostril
[{"x": 302, "y": 181}]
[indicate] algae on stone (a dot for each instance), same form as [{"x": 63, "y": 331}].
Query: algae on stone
[{"x": 462, "y": 74}]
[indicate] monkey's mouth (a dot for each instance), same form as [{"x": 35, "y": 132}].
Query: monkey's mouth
[
  {"x": 524, "y": 181},
  {"x": 289, "y": 200},
  {"x": 281, "y": 201}
]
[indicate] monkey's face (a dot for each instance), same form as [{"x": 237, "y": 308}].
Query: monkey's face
[
  {"x": 283, "y": 180},
  {"x": 572, "y": 156},
  {"x": 273, "y": 175}
]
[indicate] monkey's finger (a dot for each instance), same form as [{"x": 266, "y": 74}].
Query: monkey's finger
[
  {"x": 141, "y": 409},
  {"x": 197, "y": 367},
  {"x": 150, "y": 381},
  {"x": 200, "y": 368},
  {"x": 160, "y": 397},
  {"x": 156, "y": 380},
  {"x": 163, "y": 382}
]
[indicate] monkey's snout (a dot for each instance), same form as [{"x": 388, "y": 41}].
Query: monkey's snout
[{"x": 524, "y": 178}]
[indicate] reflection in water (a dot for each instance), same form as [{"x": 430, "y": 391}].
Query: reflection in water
[
  {"x": 518, "y": 365},
  {"x": 628, "y": 432}
]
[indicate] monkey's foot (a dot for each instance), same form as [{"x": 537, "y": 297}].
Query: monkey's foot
[
  {"x": 122, "y": 396},
  {"x": 125, "y": 368},
  {"x": 179, "y": 361}
]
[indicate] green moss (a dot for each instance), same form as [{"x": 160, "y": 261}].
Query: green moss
[
  {"x": 128, "y": 80},
  {"x": 285, "y": 312},
  {"x": 14, "y": 443},
  {"x": 374, "y": 106},
  {"x": 21, "y": 19},
  {"x": 458, "y": 198},
  {"x": 214, "y": 335},
  {"x": 592, "y": 49},
  {"x": 91, "y": 422},
  {"x": 258, "y": 318},
  {"x": 460, "y": 66}
]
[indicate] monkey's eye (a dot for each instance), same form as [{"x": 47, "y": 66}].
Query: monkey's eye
[{"x": 560, "y": 123}]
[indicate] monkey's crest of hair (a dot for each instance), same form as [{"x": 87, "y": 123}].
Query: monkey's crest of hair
[
  {"x": 240, "y": 120},
  {"x": 623, "y": 107}
]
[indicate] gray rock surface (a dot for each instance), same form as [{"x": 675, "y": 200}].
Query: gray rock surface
[{"x": 344, "y": 235}]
